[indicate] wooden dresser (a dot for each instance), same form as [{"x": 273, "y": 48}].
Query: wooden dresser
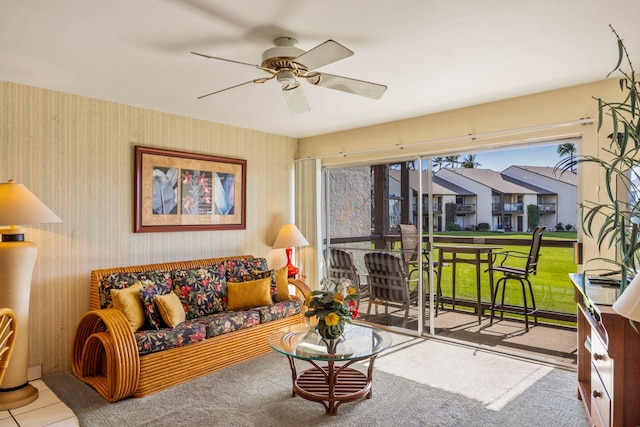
[{"x": 608, "y": 363}]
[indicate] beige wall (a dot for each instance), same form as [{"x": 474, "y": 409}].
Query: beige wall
[
  {"x": 519, "y": 119},
  {"x": 76, "y": 155}
]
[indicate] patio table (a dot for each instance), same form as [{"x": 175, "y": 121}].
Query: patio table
[{"x": 466, "y": 254}]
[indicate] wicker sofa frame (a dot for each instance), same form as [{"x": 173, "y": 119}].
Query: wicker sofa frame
[{"x": 105, "y": 356}]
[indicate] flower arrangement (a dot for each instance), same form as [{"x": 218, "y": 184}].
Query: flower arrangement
[{"x": 333, "y": 304}]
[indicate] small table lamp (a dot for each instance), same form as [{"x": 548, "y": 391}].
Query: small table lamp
[
  {"x": 628, "y": 304},
  {"x": 289, "y": 237},
  {"x": 18, "y": 205}
]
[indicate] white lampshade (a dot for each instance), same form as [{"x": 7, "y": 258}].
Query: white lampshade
[
  {"x": 19, "y": 206},
  {"x": 289, "y": 237},
  {"x": 628, "y": 304}
]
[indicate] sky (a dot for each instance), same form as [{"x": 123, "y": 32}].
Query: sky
[{"x": 499, "y": 160}]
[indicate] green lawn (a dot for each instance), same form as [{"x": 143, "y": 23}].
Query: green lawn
[
  {"x": 555, "y": 235},
  {"x": 552, "y": 287}
]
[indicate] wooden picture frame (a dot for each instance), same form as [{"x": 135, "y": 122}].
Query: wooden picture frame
[{"x": 178, "y": 191}]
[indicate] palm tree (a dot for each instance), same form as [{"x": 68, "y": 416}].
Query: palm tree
[
  {"x": 568, "y": 149},
  {"x": 469, "y": 162},
  {"x": 438, "y": 161},
  {"x": 452, "y": 161}
]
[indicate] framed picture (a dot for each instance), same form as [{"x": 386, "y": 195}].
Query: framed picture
[{"x": 177, "y": 191}]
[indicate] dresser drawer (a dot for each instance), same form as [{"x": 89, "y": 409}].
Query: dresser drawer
[
  {"x": 601, "y": 362},
  {"x": 600, "y": 401}
]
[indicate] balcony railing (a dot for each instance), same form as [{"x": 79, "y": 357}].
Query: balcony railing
[
  {"x": 547, "y": 304},
  {"x": 547, "y": 208},
  {"x": 466, "y": 208},
  {"x": 437, "y": 208},
  {"x": 507, "y": 207}
]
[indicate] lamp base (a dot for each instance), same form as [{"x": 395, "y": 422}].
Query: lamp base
[
  {"x": 17, "y": 260},
  {"x": 17, "y": 398},
  {"x": 292, "y": 270}
]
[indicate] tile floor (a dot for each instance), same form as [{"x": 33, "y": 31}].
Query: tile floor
[{"x": 46, "y": 410}]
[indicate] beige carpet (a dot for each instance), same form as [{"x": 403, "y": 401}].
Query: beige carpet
[
  {"x": 492, "y": 380},
  {"x": 417, "y": 382}
]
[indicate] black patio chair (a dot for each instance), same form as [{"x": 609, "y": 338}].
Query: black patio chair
[{"x": 517, "y": 266}]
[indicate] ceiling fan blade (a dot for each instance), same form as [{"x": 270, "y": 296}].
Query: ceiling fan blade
[
  {"x": 346, "y": 84},
  {"x": 323, "y": 54},
  {"x": 228, "y": 60},
  {"x": 229, "y": 88},
  {"x": 296, "y": 99}
]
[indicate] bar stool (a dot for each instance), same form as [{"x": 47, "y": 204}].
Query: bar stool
[{"x": 519, "y": 274}]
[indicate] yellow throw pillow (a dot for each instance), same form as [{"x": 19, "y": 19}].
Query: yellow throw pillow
[
  {"x": 170, "y": 309},
  {"x": 127, "y": 300},
  {"x": 282, "y": 283},
  {"x": 244, "y": 295}
]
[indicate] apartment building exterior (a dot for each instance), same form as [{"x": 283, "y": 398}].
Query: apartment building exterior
[{"x": 499, "y": 199}]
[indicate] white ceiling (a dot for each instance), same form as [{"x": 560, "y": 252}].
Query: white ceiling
[{"x": 434, "y": 55}]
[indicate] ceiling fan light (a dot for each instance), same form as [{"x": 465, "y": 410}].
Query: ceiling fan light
[{"x": 286, "y": 78}]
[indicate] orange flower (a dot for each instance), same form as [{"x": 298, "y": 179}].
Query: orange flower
[
  {"x": 338, "y": 297},
  {"x": 332, "y": 319},
  {"x": 351, "y": 290}
]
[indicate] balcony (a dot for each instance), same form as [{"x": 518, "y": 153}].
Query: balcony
[
  {"x": 553, "y": 337},
  {"x": 437, "y": 208},
  {"x": 508, "y": 207},
  {"x": 547, "y": 208},
  {"x": 467, "y": 208}
]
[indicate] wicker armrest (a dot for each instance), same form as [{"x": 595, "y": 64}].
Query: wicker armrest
[
  {"x": 105, "y": 354},
  {"x": 301, "y": 288}
]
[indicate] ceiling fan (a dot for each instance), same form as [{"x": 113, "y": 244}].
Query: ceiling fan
[{"x": 288, "y": 64}]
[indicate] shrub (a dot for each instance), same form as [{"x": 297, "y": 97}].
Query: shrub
[
  {"x": 483, "y": 226},
  {"x": 450, "y": 210},
  {"x": 533, "y": 216},
  {"x": 559, "y": 227},
  {"x": 453, "y": 226}
]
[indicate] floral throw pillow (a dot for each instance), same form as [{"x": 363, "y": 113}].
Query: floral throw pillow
[
  {"x": 239, "y": 269},
  {"x": 201, "y": 290},
  {"x": 147, "y": 295},
  {"x": 124, "y": 280}
]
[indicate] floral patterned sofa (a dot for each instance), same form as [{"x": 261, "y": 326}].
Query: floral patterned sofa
[{"x": 158, "y": 325}]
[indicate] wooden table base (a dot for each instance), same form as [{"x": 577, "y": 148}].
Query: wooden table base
[{"x": 332, "y": 385}]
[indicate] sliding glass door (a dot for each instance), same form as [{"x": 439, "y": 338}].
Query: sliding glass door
[
  {"x": 364, "y": 210},
  {"x": 367, "y": 207}
]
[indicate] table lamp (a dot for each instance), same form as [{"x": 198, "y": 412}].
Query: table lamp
[
  {"x": 18, "y": 206},
  {"x": 289, "y": 237},
  {"x": 628, "y": 304}
]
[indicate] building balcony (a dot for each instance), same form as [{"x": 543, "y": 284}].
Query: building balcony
[
  {"x": 467, "y": 208},
  {"x": 437, "y": 208},
  {"x": 507, "y": 207},
  {"x": 547, "y": 208}
]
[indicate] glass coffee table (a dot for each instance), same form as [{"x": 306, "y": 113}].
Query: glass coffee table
[{"x": 328, "y": 382}]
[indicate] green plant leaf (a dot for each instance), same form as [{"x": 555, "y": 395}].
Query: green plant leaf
[{"x": 620, "y": 56}]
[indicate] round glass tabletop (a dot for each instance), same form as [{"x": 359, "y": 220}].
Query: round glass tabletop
[{"x": 304, "y": 342}]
